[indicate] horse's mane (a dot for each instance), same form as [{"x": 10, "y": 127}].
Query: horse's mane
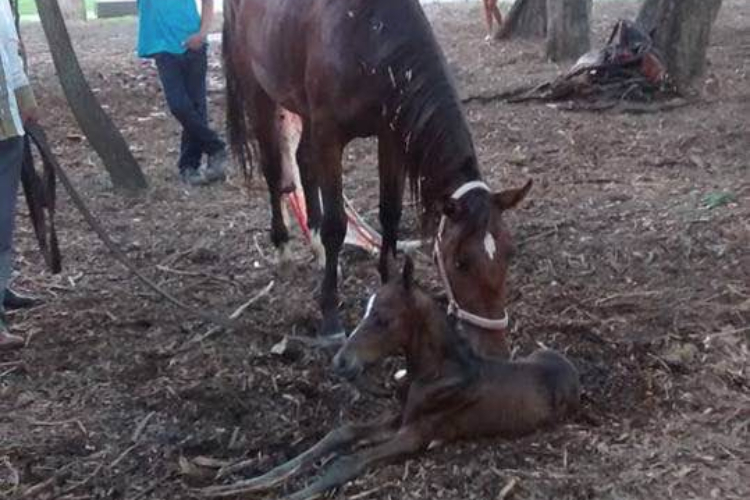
[{"x": 422, "y": 106}]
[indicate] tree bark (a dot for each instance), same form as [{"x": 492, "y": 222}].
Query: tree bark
[
  {"x": 104, "y": 137},
  {"x": 681, "y": 30},
  {"x": 525, "y": 19},
  {"x": 568, "y": 29},
  {"x": 73, "y": 10}
]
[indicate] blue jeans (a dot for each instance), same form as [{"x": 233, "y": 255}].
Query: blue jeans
[
  {"x": 11, "y": 155},
  {"x": 183, "y": 78}
]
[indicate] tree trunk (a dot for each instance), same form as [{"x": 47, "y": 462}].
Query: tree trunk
[
  {"x": 526, "y": 19},
  {"x": 681, "y": 30},
  {"x": 568, "y": 29},
  {"x": 104, "y": 137},
  {"x": 73, "y": 10}
]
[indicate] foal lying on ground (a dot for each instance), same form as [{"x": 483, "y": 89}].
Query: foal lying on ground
[{"x": 452, "y": 393}]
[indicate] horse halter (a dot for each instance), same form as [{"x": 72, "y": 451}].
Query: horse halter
[{"x": 454, "y": 308}]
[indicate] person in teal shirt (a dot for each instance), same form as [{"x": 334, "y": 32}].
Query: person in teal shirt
[{"x": 173, "y": 33}]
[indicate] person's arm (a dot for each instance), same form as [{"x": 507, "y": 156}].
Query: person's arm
[
  {"x": 197, "y": 41},
  {"x": 15, "y": 73}
]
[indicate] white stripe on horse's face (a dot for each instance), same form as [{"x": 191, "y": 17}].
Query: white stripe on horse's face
[
  {"x": 368, "y": 310},
  {"x": 489, "y": 245}
]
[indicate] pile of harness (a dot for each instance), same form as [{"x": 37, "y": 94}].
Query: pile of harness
[{"x": 627, "y": 69}]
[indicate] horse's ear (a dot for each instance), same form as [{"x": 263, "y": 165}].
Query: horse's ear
[
  {"x": 510, "y": 198},
  {"x": 408, "y": 273}
]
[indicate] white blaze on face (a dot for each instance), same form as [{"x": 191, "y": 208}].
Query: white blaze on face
[
  {"x": 489, "y": 245},
  {"x": 368, "y": 310}
]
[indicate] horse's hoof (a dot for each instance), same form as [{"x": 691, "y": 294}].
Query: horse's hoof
[{"x": 318, "y": 250}]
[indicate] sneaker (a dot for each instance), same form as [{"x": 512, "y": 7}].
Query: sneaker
[
  {"x": 193, "y": 177},
  {"x": 216, "y": 167},
  {"x": 8, "y": 341},
  {"x": 14, "y": 300}
]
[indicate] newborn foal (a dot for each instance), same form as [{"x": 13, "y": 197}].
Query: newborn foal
[{"x": 453, "y": 394}]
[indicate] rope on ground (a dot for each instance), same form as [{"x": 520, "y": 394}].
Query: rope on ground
[{"x": 40, "y": 139}]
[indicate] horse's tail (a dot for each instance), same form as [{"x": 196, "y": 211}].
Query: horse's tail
[{"x": 238, "y": 105}]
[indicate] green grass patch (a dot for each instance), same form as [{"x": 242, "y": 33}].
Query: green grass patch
[{"x": 28, "y": 7}]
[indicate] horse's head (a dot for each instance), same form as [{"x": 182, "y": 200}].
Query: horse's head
[
  {"x": 385, "y": 328},
  {"x": 474, "y": 248}
]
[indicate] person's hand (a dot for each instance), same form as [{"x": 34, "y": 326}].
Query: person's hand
[
  {"x": 30, "y": 115},
  {"x": 195, "y": 42}
]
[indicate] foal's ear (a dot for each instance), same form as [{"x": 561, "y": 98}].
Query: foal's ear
[
  {"x": 408, "y": 273},
  {"x": 510, "y": 198}
]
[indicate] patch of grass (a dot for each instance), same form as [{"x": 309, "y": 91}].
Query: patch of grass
[{"x": 28, "y": 7}]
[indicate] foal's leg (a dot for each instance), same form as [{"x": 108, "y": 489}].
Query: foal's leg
[
  {"x": 268, "y": 144},
  {"x": 327, "y": 149},
  {"x": 347, "y": 435},
  {"x": 312, "y": 193},
  {"x": 392, "y": 174},
  {"x": 408, "y": 440}
]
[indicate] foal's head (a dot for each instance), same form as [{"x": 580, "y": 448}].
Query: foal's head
[
  {"x": 387, "y": 326},
  {"x": 474, "y": 248}
]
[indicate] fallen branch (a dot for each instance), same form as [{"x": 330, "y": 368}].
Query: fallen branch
[{"x": 237, "y": 313}]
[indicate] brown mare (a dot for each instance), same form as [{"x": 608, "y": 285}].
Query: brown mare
[
  {"x": 361, "y": 68},
  {"x": 452, "y": 394}
]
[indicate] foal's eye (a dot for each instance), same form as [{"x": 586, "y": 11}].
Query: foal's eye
[{"x": 380, "y": 321}]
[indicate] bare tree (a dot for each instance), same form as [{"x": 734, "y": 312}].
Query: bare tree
[
  {"x": 526, "y": 19},
  {"x": 101, "y": 133},
  {"x": 73, "y": 10},
  {"x": 681, "y": 30},
  {"x": 568, "y": 32}
]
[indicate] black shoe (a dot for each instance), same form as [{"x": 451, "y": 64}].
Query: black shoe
[
  {"x": 216, "y": 167},
  {"x": 193, "y": 177},
  {"x": 13, "y": 301}
]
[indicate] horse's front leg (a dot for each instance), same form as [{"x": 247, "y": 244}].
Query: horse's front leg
[
  {"x": 392, "y": 172},
  {"x": 327, "y": 152}
]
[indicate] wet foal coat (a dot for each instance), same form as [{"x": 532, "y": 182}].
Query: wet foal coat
[
  {"x": 452, "y": 394},
  {"x": 359, "y": 68}
]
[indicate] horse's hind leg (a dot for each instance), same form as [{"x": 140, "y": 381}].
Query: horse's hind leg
[
  {"x": 266, "y": 119},
  {"x": 347, "y": 435},
  {"x": 312, "y": 193}
]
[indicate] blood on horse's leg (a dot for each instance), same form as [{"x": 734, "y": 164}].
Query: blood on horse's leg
[
  {"x": 392, "y": 177},
  {"x": 327, "y": 164},
  {"x": 271, "y": 163}
]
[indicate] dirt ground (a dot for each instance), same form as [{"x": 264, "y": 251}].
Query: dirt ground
[{"x": 634, "y": 260}]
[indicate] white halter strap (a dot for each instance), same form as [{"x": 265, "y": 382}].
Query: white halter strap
[{"x": 453, "y": 307}]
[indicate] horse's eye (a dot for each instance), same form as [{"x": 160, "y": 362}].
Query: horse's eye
[{"x": 462, "y": 265}]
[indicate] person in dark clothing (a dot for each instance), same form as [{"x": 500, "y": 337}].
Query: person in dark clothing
[
  {"x": 174, "y": 34},
  {"x": 17, "y": 106}
]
